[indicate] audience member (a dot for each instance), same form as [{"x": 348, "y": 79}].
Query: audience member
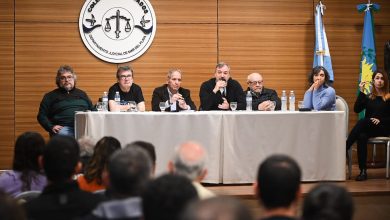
[
  {"x": 278, "y": 187},
  {"x": 87, "y": 146},
  {"x": 10, "y": 209},
  {"x": 263, "y": 99},
  {"x": 166, "y": 197},
  {"x": 129, "y": 170},
  {"x": 61, "y": 198},
  {"x": 376, "y": 121},
  {"x": 218, "y": 208},
  {"x": 58, "y": 107},
  {"x": 328, "y": 202},
  {"x": 176, "y": 98},
  {"x": 149, "y": 148},
  {"x": 319, "y": 96},
  {"x": 189, "y": 161},
  {"x": 128, "y": 90},
  {"x": 26, "y": 174},
  {"x": 92, "y": 179},
  {"x": 218, "y": 92}
]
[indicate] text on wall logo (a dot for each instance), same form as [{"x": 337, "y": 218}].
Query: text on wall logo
[{"x": 117, "y": 31}]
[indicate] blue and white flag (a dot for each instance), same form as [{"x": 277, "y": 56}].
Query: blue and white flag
[{"x": 321, "y": 50}]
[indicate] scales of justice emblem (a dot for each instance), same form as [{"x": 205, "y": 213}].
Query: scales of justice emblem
[{"x": 117, "y": 31}]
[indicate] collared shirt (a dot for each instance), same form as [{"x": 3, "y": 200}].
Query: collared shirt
[{"x": 173, "y": 105}]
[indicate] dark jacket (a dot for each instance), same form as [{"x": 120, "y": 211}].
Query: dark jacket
[
  {"x": 210, "y": 100},
  {"x": 266, "y": 94},
  {"x": 62, "y": 201},
  {"x": 160, "y": 94}
]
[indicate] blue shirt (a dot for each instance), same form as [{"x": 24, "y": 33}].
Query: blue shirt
[{"x": 324, "y": 98}]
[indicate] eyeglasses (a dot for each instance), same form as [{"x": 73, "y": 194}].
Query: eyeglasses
[
  {"x": 63, "y": 78},
  {"x": 256, "y": 82},
  {"x": 125, "y": 76}
]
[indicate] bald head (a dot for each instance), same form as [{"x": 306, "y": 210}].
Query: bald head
[
  {"x": 189, "y": 160},
  {"x": 255, "y": 82}
]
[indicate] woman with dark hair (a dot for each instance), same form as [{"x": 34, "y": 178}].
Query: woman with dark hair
[
  {"x": 376, "y": 121},
  {"x": 26, "y": 174},
  {"x": 92, "y": 179},
  {"x": 319, "y": 96},
  {"x": 328, "y": 202}
]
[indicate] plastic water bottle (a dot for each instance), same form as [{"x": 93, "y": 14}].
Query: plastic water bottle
[
  {"x": 291, "y": 100},
  {"x": 105, "y": 101},
  {"x": 249, "y": 101},
  {"x": 117, "y": 100},
  {"x": 284, "y": 100}
]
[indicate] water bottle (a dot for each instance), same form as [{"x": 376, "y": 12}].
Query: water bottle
[
  {"x": 284, "y": 100},
  {"x": 117, "y": 100},
  {"x": 249, "y": 101},
  {"x": 105, "y": 101},
  {"x": 291, "y": 100}
]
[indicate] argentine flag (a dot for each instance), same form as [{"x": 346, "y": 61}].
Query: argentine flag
[{"x": 321, "y": 50}]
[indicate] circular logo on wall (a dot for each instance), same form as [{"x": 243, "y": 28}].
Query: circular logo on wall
[{"x": 117, "y": 31}]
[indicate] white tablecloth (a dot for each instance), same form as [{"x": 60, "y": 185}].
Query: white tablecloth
[{"x": 236, "y": 141}]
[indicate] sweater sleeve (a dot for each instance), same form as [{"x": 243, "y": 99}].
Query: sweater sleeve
[
  {"x": 43, "y": 114},
  {"x": 360, "y": 103}
]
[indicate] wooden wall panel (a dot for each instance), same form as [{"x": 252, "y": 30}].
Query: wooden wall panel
[
  {"x": 265, "y": 12},
  {"x": 345, "y": 12},
  {"x": 6, "y": 10},
  {"x": 7, "y": 116},
  {"x": 178, "y": 11},
  {"x": 167, "y": 11},
  {"x": 38, "y": 56},
  {"x": 192, "y": 48},
  {"x": 282, "y": 55},
  {"x": 48, "y": 11}
]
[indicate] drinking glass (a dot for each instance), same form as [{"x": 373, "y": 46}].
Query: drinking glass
[
  {"x": 300, "y": 104},
  {"x": 99, "y": 106},
  {"x": 273, "y": 105},
  {"x": 132, "y": 106},
  {"x": 162, "y": 106},
  {"x": 233, "y": 106}
]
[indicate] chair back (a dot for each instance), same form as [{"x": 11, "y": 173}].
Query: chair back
[
  {"x": 342, "y": 105},
  {"x": 27, "y": 196}
]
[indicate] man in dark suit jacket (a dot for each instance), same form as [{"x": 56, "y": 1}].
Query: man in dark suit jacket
[
  {"x": 175, "y": 97},
  {"x": 217, "y": 93}
]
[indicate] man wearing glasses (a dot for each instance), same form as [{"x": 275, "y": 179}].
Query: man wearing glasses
[
  {"x": 263, "y": 99},
  {"x": 128, "y": 90},
  {"x": 58, "y": 107},
  {"x": 218, "y": 92}
]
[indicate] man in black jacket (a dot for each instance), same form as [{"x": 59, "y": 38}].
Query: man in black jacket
[
  {"x": 58, "y": 107},
  {"x": 62, "y": 197},
  {"x": 176, "y": 98},
  {"x": 263, "y": 99},
  {"x": 218, "y": 92}
]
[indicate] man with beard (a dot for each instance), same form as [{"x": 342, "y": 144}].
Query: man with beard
[
  {"x": 58, "y": 107},
  {"x": 175, "y": 97},
  {"x": 217, "y": 93}
]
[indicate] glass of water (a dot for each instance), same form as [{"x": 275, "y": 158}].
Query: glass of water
[
  {"x": 233, "y": 106},
  {"x": 162, "y": 106},
  {"x": 99, "y": 106},
  {"x": 132, "y": 106}
]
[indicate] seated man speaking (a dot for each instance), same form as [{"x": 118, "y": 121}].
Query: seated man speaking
[{"x": 175, "y": 97}]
